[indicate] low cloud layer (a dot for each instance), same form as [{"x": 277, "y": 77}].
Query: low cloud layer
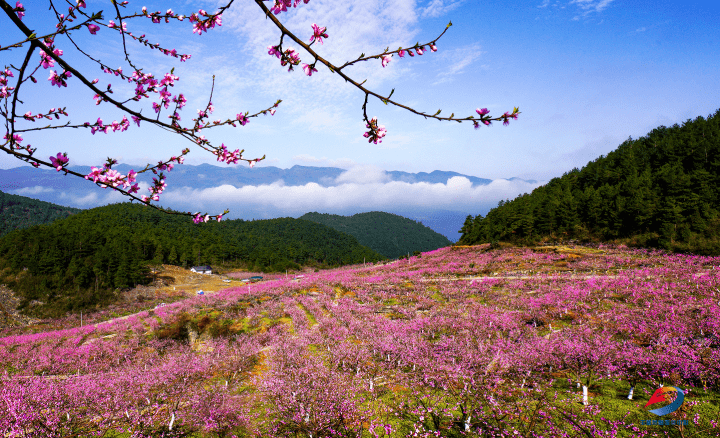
[
  {"x": 357, "y": 190},
  {"x": 351, "y": 194}
]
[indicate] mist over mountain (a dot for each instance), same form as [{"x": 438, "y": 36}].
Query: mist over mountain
[{"x": 440, "y": 200}]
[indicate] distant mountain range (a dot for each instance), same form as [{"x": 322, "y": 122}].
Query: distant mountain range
[
  {"x": 52, "y": 186},
  {"x": 205, "y": 176}
]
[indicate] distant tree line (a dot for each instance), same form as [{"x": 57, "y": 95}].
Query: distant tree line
[
  {"x": 661, "y": 190},
  {"x": 389, "y": 234},
  {"x": 18, "y": 212},
  {"x": 81, "y": 260}
]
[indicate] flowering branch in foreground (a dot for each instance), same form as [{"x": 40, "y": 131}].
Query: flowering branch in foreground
[{"x": 146, "y": 86}]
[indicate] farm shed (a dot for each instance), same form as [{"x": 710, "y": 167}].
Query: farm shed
[{"x": 201, "y": 269}]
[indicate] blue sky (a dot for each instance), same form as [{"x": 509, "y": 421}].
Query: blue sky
[{"x": 586, "y": 74}]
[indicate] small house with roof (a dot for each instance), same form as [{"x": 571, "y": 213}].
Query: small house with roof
[{"x": 201, "y": 269}]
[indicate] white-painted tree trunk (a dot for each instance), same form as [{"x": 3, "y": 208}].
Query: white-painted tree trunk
[
  {"x": 630, "y": 394},
  {"x": 372, "y": 384},
  {"x": 467, "y": 423},
  {"x": 585, "y": 395},
  {"x": 172, "y": 421}
]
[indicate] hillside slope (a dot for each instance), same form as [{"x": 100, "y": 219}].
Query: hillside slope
[
  {"x": 17, "y": 212},
  {"x": 82, "y": 260},
  {"x": 388, "y": 234},
  {"x": 661, "y": 190}
]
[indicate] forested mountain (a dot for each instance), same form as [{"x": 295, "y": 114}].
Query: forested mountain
[
  {"x": 388, "y": 234},
  {"x": 20, "y": 212},
  {"x": 79, "y": 261},
  {"x": 661, "y": 190}
]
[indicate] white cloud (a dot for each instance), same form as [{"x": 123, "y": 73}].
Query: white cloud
[
  {"x": 588, "y": 6},
  {"x": 363, "y": 175},
  {"x": 436, "y": 8},
  {"x": 641, "y": 29},
  {"x": 356, "y": 192},
  {"x": 30, "y": 191},
  {"x": 457, "y": 60},
  {"x": 324, "y": 103}
]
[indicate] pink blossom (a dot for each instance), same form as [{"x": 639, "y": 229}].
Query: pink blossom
[
  {"x": 55, "y": 79},
  {"x": 401, "y": 53},
  {"x": 433, "y": 47},
  {"x": 376, "y": 133},
  {"x": 20, "y": 10},
  {"x": 81, "y": 4},
  {"x": 410, "y": 52},
  {"x": 46, "y": 61},
  {"x": 111, "y": 24},
  {"x": 318, "y": 34},
  {"x": 386, "y": 60},
  {"x": 482, "y": 112},
  {"x": 136, "y": 120},
  {"x": 93, "y": 28},
  {"x": 308, "y": 69},
  {"x": 420, "y": 51},
  {"x": 59, "y": 161}
]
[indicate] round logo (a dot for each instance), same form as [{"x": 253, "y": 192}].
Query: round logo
[{"x": 661, "y": 395}]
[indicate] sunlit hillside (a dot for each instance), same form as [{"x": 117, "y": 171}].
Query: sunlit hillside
[{"x": 462, "y": 341}]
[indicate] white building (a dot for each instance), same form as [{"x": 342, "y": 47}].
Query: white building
[{"x": 201, "y": 269}]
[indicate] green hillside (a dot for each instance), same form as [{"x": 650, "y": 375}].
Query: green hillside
[
  {"x": 661, "y": 190},
  {"x": 18, "y": 212},
  {"x": 80, "y": 261},
  {"x": 388, "y": 234}
]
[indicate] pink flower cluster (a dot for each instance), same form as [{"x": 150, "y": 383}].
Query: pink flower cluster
[
  {"x": 59, "y": 79},
  {"x": 107, "y": 176},
  {"x": 309, "y": 69},
  {"x": 158, "y": 187},
  {"x": 283, "y": 5},
  {"x": 16, "y": 138},
  {"x": 201, "y": 25},
  {"x": 401, "y": 53},
  {"x": 318, "y": 34},
  {"x": 5, "y": 90},
  {"x": 60, "y": 161},
  {"x": 242, "y": 119},
  {"x": 376, "y": 132},
  {"x": 20, "y": 10},
  {"x": 228, "y": 157},
  {"x": 46, "y": 61},
  {"x": 54, "y": 112},
  {"x": 482, "y": 112},
  {"x": 112, "y": 25},
  {"x": 289, "y": 56},
  {"x": 121, "y": 126}
]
